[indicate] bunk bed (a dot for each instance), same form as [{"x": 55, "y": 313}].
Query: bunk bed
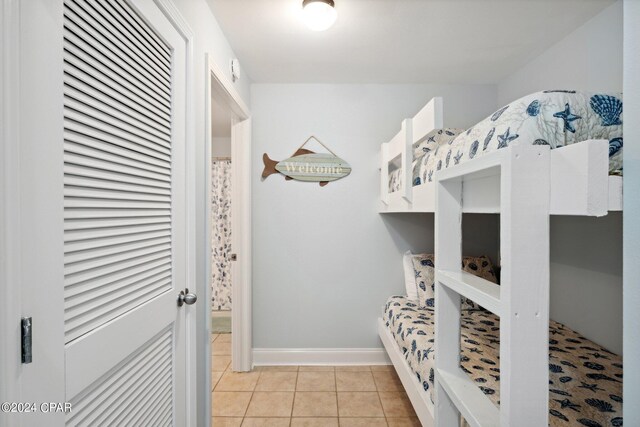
[{"x": 505, "y": 362}]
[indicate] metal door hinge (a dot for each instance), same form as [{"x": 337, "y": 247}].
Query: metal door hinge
[{"x": 26, "y": 332}]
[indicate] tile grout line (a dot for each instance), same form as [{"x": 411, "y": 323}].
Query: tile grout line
[
  {"x": 295, "y": 393},
  {"x": 384, "y": 413},
  {"x": 335, "y": 381},
  {"x": 386, "y": 419}
]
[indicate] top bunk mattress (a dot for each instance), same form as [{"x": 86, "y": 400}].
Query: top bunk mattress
[{"x": 555, "y": 117}]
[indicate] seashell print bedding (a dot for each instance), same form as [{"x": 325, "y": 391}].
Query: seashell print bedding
[
  {"x": 585, "y": 379},
  {"x": 554, "y": 117}
]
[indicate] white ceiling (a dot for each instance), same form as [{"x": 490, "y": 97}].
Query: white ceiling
[{"x": 397, "y": 41}]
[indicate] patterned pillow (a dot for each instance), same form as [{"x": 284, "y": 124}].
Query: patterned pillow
[
  {"x": 480, "y": 266},
  {"x": 424, "y": 270},
  {"x": 409, "y": 276},
  {"x": 433, "y": 139}
]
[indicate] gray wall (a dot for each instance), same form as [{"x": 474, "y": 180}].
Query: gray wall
[
  {"x": 632, "y": 212},
  {"x": 586, "y": 253},
  {"x": 590, "y": 58},
  {"x": 208, "y": 38},
  {"x": 586, "y": 276},
  {"x": 324, "y": 260}
]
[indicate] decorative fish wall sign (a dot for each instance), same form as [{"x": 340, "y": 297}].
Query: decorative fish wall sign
[{"x": 305, "y": 165}]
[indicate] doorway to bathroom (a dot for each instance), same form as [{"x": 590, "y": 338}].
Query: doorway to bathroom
[
  {"x": 222, "y": 255},
  {"x": 227, "y": 232}
]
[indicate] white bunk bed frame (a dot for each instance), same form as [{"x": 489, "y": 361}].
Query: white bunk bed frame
[
  {"x": 579, "y": 174},
  {"x": 525, "y": 184}
]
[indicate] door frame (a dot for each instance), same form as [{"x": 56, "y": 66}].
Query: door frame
[{"x": 217, "y": 84}]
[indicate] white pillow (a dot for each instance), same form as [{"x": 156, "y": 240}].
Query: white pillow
[{"x": 409, "y": 276}]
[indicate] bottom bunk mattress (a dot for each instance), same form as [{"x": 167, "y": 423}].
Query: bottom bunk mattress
[{"x": 585, "y": 379}]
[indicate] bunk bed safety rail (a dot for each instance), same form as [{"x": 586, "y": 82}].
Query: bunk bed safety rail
[
  {"x": 400, "y": 151},
  {"x": 428, "y": 119},
  {"x": 521, "y": 300},
  {"x": 384, "y": 173}
]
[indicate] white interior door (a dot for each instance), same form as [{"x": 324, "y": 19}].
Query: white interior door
[{"x": 104, "y": 230}]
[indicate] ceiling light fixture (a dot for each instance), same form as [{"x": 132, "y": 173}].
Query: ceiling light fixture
[{"x": 319, "y": 15}]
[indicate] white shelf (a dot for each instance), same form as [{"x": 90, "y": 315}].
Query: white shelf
[
  {"x": 475, "y": 407},
  {"x": 482, "y": 291}
]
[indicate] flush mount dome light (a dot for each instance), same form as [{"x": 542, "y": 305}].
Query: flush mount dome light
[{"x": 318, "y": 14}]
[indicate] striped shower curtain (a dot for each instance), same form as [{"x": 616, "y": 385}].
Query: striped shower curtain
[{"x": 221, "y": 235}]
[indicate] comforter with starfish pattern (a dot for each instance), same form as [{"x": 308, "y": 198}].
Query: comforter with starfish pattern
[{"x": 555, "y": 117}]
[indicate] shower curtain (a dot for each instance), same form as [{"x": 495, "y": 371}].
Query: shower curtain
[{"x": 221, "y": 234}]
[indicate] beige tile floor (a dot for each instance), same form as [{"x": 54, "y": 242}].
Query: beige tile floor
[{"x": 305, "y": 396}]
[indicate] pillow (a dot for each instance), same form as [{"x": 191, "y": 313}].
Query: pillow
[
  {"x": 481, "y": 267},
  {"x": 424, "y": 273},
  {"x": 433, "y": 139},
  {"x": 409, "y": 276}
]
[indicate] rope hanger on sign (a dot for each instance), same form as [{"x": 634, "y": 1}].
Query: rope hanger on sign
[{"x": 319, "y": 142}]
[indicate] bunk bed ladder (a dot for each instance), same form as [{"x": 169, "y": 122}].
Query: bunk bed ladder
[{"x": 521, "y": 301}]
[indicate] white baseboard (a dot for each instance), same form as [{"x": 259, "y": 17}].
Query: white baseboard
[{"x": 320, "y": 356}]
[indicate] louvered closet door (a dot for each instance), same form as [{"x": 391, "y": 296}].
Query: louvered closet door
[{"x": 124, "y": 214}]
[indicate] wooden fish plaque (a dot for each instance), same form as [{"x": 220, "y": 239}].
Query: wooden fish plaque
[{"x": 305, "y": 165}]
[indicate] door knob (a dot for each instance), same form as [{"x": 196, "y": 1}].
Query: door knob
[{"x": 184, "y": 297}]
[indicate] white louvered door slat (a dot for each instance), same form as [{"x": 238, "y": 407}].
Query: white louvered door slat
[
  {"x": 86, "y": 114},
  {"x": 134, "y": 156},
  {"x": 97, "y": 403},
  {"x": 96, "y": 233},
  {"x": 123, "y": 167},
  {"x": 115, "y": 35},
  {"x": 156, "y": 271},
  {"x": 84, "y": 94},
  {"x": 81, "y": 31},
  {"x": 94, "y": 184},
  {"x": 90, "y": 137},
  {"x": 120, "y": 19},
  {"x": 110, "y": 84},
  {"x": 84, "y": 53},
  {"x": 111, "y": 177},
  {"x": 114, "y": 93},
  {"x": 124, "y": 214},
  {"x": 110, "y": 223}
]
